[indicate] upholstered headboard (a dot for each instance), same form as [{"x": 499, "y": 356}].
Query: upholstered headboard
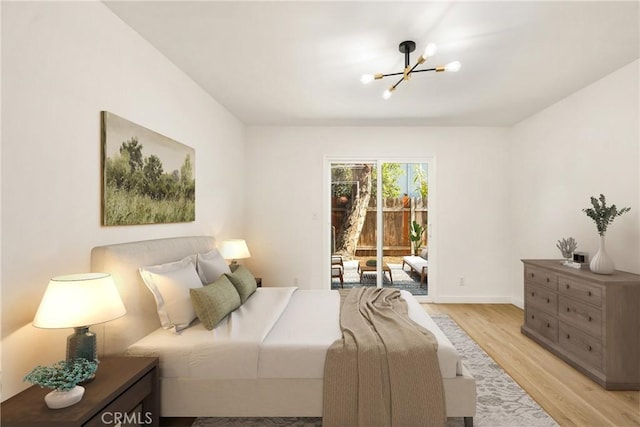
[{"x": 122, "y": 262}]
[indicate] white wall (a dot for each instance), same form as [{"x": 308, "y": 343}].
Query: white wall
[
  {"x": 64, "y": 62},
  {"x": 284, "y": 201},
  {"x": 582, "y": 146}
]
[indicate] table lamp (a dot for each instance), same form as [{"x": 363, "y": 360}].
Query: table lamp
[
  {"x": 234, "y": 249},
  {"x": 78, "y": 301}
]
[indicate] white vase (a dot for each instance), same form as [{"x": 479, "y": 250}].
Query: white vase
[
  {"x": 58, "y": 399},
  {"x": 601, "y": 263}
]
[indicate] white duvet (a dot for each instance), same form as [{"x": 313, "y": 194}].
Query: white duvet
[{"x": 279, "y": 332}]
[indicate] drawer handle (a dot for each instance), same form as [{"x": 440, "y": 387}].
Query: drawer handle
[
  {"x": 589, "y": 347},
  {"x": 548, "y": 280},
  {"x": 532, "y": 275},
  {"x": 533, "y": 294},
  {"x": 548, "y": 300},
  {"x": 589, "y": 318},
  {"x": 548, "y": 325},
  {"x": 533, "y": 317},
  {"x": 589, "y": 293},
  {"x": 568, "y": 309},
  {"x": 568, "y": 336},
  {"x": 567, "y": 286}
]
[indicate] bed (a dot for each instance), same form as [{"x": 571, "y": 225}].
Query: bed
[{"x": 261, "y": 360}]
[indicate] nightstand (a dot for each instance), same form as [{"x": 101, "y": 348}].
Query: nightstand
[{"x": 124, "y": 390}]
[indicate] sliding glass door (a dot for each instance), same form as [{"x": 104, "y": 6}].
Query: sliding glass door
[
  {"x": 404, "y": 225},
  {"x": 353, "y": 227},
  {"x": 379, "y": 223}
]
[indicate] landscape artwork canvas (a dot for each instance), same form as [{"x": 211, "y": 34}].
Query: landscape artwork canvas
[{"x": 147, "y": 178}]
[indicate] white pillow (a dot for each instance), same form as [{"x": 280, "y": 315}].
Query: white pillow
[
  {"x": 211, "y": 266},
  {"x": 170, "y": 283}
]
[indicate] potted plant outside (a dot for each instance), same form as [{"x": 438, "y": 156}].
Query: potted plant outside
[
  {"x": 416, "y": 232},
  {"x": 63, "y": 377}
]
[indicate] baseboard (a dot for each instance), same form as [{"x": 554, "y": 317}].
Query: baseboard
[{"x": 518, "y": 303}]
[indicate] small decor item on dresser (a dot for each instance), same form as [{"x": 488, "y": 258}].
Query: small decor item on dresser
[
  {"x": 602, "y": 215},
  {"x": 580, "y": 260},
  {"x": 64, "y": 377},
  {"x": 567, "y": 246}
]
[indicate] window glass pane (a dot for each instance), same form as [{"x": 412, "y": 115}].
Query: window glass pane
[{"x": 354, "y": 234}]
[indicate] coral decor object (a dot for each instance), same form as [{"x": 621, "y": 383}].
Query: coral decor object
[{"x": 567, "y": 247}]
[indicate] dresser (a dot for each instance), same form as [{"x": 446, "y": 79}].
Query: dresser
[{"x": 589, "y": 320}]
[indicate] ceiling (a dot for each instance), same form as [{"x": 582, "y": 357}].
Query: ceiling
[{"x": 299, "y": 62}]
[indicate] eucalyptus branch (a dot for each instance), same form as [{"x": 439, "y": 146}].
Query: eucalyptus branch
[{"x": 602, "y": 214}]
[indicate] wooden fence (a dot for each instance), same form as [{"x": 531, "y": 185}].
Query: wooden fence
[{"x": 397, "y": 215}]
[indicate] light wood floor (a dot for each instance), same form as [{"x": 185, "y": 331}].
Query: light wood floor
[{"x": 568, "y": 396}]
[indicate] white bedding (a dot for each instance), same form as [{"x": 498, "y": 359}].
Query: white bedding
[{"x": 280, "y": 332}]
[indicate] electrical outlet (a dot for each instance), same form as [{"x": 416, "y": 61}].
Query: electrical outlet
[{"x": 461, "y": 281}]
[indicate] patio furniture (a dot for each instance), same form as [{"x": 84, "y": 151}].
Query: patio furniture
[
  {"x": 337, "y": 269},
  {"x": 419, "y": 264},
  {"x": 363, "y": 268}
]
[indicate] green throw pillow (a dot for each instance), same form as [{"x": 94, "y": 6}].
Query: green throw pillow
[
  {"x": 244, "y": 282},
  {"x": 214, "y": 302}
]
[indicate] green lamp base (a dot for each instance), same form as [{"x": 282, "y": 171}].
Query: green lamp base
[{"x": 81, "y": 344}]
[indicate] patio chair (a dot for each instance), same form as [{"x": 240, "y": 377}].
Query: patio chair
[{"x": 337, "y": 269}]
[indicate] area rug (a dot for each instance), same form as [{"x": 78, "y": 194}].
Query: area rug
[{"x": 501, "y": 401}]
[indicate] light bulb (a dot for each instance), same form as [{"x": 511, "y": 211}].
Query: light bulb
[
  {"x": 430, "y": 50},
  {"x": 386, "y": 94},
  {"x": 366, "y": 78},
  {"x": 453, "y": 67}
]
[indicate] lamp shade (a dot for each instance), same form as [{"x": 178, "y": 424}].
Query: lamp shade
[
  {"x": 234, "y": 249},
  {"x": 78, "y": 300}
]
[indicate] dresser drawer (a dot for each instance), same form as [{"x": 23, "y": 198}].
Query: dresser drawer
[
  {"x": 542, "y": 298},
  {"x": 542, "y": 323},
  {"x": 585, "y": 347},
  {"x": 541, "y": 277},
  {"x": 580, "y": 315},
  {"x": 580, "y": 290}
]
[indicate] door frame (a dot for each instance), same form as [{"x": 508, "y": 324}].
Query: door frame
[{"x": 431, "y": 224}]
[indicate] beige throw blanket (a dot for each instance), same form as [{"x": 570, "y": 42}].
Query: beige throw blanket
[{"x": 384, "y": 371}]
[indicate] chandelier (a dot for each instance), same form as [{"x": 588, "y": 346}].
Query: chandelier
[{"x": 406, "y": 47}]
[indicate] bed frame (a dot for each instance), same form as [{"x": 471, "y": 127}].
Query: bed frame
[{"x": 188, "y": 397}]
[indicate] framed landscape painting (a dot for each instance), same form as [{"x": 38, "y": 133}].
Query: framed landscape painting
[{"x": 147, "y": 178}]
